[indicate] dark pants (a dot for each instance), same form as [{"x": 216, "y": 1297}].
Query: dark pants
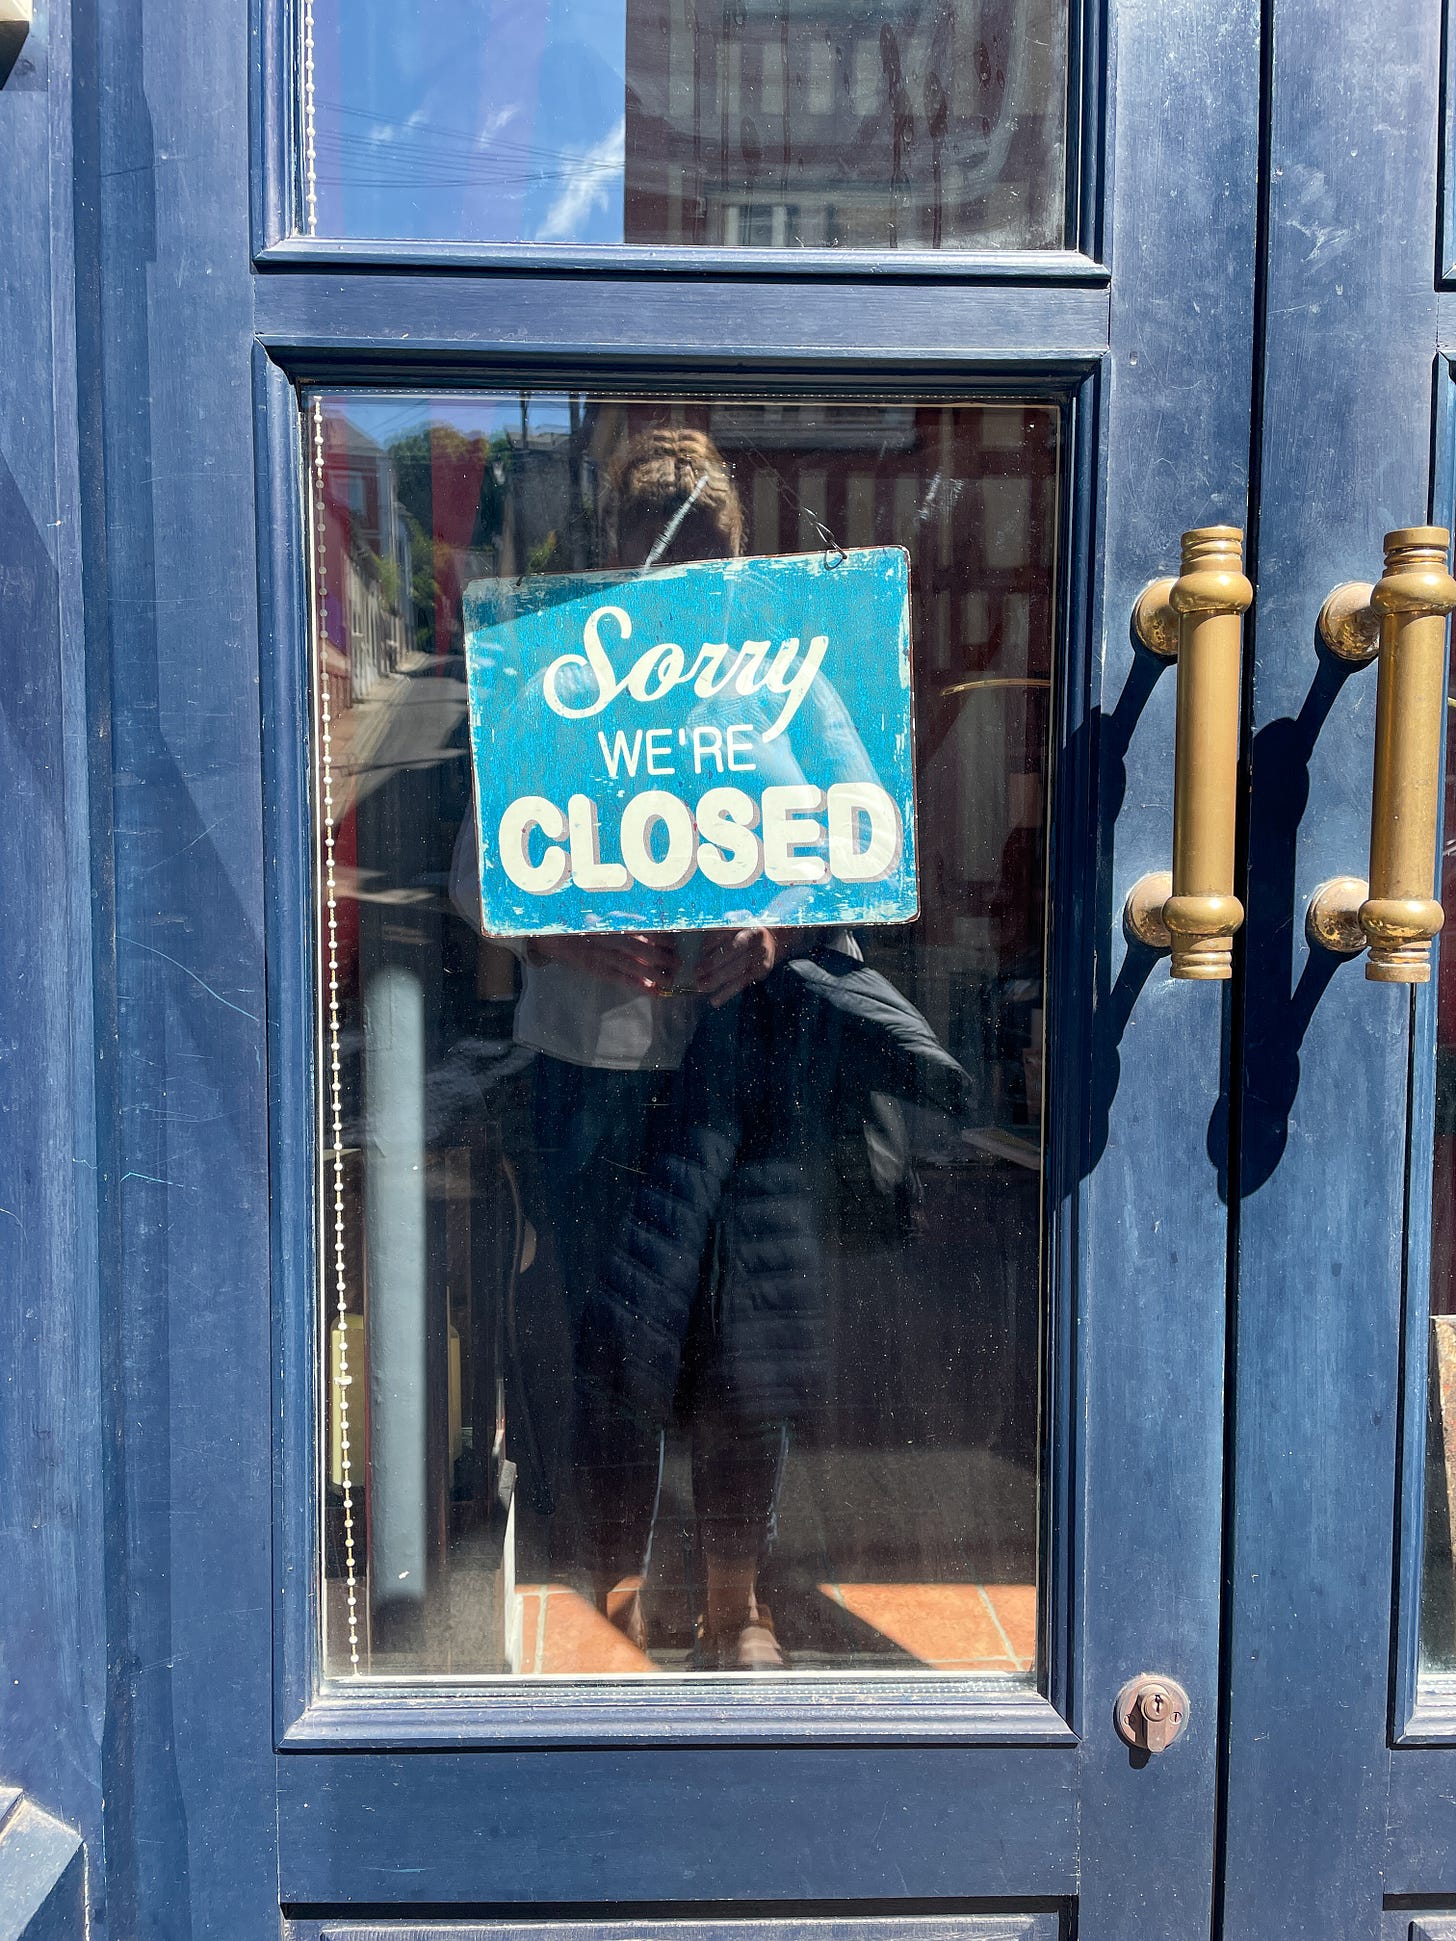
[{"x": 592, "y": 1129}]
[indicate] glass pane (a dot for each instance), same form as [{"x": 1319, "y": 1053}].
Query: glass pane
[
  {"x": 910, "y": 124},
  {"x": 832, "y": 1460},
  {"x": 1438, "y": 1603}
]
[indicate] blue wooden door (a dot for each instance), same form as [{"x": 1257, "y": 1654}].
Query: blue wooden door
[
  {"x": 1339, "y": 1544},
  {"x": 336, "y": 370}
]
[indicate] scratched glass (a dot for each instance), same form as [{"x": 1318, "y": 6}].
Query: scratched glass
[
  {"x": 661, "y": 1336},
  {"x": 910, "y": 124}
]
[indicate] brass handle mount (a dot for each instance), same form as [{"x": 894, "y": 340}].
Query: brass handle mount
[
  {"x": 1197, "y": 620},
  {"x": 1395, "y": 914}
]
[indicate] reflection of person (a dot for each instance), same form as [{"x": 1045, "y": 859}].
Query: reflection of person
[
  {"x": 668, "y": 498},
  {"x": 612, "y": 1021}
]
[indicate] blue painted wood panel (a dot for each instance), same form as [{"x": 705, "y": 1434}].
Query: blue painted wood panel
[
  {"x": 809, "y": 1826},
  {"x": 167, "y": 440},
  {"x": 1025, "y": 268},
  {"x": 648, "y": 325},
  {"x": 1152, "y": 1227},
  {"x": 53, "y": 1666},
  {"x": 1344, "y": 453},
  {"x": 841, "y": 1711}
]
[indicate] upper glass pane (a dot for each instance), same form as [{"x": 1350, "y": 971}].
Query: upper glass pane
[
  {"x": 784, "y": 124},
  {"x": 681, "y": 1287}
]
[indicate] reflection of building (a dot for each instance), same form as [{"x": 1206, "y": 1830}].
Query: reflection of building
[
  {"x": 914, "y": 123},
  {"x": 972, "y": 496},
  {"x": 546, "y": 524},
  {"x": 367, "y": 609}
]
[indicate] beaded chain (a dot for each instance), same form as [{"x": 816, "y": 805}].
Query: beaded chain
[
  {"x": 310, "y": 160},
  {"x": 341, "y": 1375}
]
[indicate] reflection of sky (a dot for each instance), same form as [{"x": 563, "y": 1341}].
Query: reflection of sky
[
  {"x": 490, "y": 120},
  {"x": 384, "y": 418}
]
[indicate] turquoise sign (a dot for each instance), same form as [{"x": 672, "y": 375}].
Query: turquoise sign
[{"x": 706, "y": 745}]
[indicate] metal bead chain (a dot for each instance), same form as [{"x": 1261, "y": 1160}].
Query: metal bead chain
[
  {"x": 343, "y": 1379},
  {"x": 310, "y": 163}
]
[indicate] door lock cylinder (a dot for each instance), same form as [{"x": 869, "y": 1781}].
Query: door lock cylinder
[{"x": 1151, "y": 1712}]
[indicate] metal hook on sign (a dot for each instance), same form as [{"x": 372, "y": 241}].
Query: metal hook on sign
[{"x": 834, "y": 553}]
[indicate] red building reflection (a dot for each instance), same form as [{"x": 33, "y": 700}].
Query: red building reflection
[{"x": 922, "y": 124}]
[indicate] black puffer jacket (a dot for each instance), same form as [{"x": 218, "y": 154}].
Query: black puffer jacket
[{"x": 728, "y": 1207}]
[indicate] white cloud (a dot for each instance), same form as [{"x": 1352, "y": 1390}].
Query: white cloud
[
  {"x": 494, "y": 123},
  {"x": 586, "y": 182}
]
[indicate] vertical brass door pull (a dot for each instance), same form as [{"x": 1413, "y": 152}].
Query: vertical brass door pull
[
  {"x": 1198, "y": 619},
  {"x": 1402, "y": 622}
]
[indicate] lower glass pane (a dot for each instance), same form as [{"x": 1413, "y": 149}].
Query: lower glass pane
[
  {"x": 1438, "y": 1602},
  {"x": 680, "y": 1290}
]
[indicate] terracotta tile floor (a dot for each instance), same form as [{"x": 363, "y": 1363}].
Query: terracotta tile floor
[
  {"x": 954, "y": 1627},
  {"x": 562, "y": 1631},
  {"x": 950, "y": 1627}
]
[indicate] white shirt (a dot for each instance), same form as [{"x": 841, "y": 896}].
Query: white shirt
[
  {"x": 570, "y": 1014},
  {"x": 588, "y": 1020}
]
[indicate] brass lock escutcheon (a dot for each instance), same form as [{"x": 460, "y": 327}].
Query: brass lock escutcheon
[
  {"x": 1198, "y": 620},
  {"x": 1151, "y": 1711},
  {"x": 1401, "y": 621}
]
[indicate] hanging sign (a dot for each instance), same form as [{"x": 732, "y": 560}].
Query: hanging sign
[{"x": 705, "y": 745}]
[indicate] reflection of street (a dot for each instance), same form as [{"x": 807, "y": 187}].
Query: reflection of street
[
  {"x": 411, "y": 719},
  {"x": 410, "y": 723}
]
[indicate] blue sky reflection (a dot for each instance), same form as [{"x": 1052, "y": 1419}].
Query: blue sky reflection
[{"x": 497, "y": 119}]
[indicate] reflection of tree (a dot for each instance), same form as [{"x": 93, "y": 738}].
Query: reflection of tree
[
  {"x": 387, "y": 573},
  {"x": 452, "y": 488}
]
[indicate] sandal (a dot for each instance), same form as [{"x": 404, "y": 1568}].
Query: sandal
[
  {"x": 753, "y": 1647},
  {"x": 621, "y": 1606},
  {"x": 757, "y": 1647}
]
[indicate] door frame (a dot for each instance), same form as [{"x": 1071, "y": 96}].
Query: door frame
[{"x": 339, "y": 1714}]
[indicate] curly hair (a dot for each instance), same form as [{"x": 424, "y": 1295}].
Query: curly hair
[{"x": 664, "y": 469}]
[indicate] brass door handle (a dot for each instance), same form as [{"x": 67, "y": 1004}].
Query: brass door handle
[
  {"x": 1402, "y": 622},
  {"x": 1198, "y": 619}
]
